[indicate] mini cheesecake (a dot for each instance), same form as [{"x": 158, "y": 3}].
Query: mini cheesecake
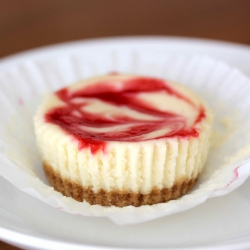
[{"x": 123, "y": 140}]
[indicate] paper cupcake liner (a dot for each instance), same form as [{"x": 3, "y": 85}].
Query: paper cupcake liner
[{"x": 226, "y": 90}]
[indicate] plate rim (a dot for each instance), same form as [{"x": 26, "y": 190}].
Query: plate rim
[{"x": 37, "y": 51}]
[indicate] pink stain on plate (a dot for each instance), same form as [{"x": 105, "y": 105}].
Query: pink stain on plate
[
  {"x": 20, "y": 101},
  {"x": 235, "y": 177}
]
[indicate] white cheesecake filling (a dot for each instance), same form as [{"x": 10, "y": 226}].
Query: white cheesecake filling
[{"x": 144, "y": 138}]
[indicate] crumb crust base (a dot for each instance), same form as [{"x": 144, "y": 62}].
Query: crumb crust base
[{"x": 117, "y": 198}]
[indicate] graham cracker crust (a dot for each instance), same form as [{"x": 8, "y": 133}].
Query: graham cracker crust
[{"x": 115, "y": 198}]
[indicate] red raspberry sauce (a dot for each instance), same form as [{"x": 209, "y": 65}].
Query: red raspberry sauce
[{"x": 108, "y": 92}]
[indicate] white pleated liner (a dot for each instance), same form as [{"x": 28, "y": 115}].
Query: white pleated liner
[{"x": 226, "y": 90}]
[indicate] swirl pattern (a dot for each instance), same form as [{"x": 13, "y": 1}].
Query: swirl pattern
[{"x": 123, "y": 110}]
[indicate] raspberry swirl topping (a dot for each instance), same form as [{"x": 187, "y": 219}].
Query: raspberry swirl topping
[{"x": 129, "y": 109}]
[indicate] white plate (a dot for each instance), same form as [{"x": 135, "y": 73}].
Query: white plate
[{"x": 220, "y": 223}]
